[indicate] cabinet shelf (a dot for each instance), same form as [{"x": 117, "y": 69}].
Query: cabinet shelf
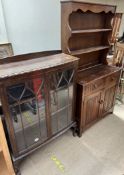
[
  {"x": 22, "y": 101},
  {"x": 90, "y": 31},
  {"x": 88, "y": 50}
]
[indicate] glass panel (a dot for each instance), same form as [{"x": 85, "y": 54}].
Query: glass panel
[
  {"x": 63, "y": 119},
  {"x": 63, "y": 82},
  {"x": 71, "y": 88},
  {"x": 62, "y": 97},
  {"x": 42, "y": 111},
  {"x": 30, "y": 123},
  {"x": 70, "y": 114},
  {"x": 43, "y": 129},
  {"x": 27, "y": 105},
  {"x": 69, "y": 75},
  {"x": 54, "y": 100},
  {"x": 19, "y": 92},
  {"x": 17, "y": 123},
  {"x": 54, "y": 119}
]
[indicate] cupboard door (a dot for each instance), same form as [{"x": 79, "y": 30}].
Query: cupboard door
[
  {"x": 91, "y": 109},
  {"x": 61, "y": 99},
  {"x": 27, "y": 111},
  {"x": 109, "y": 98}
]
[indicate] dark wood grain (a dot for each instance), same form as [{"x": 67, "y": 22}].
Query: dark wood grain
[
  {"x": 81, "y": 35},
  {"x": 28, "y": 116},
  {"x": 86, "y": 33}
]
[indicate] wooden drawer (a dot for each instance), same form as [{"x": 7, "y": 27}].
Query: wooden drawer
[
  {"x": 112, "y": 79},
  {"x": 102, "y": 83},
  {"x": 94, "y": 86}
]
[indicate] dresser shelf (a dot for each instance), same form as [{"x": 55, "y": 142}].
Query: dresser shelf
[
  {"x": 88, "y": 50},
  {"x": 90, "y": 31},
  {"x": 86, "y": 31}
]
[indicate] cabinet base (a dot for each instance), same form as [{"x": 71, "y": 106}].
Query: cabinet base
[
  {"x": 82, "y": 130},
  {"x": 19, "y": 159}
]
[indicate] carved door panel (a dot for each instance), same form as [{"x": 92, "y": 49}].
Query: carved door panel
[
  {"x": 108, "y": 98},
  {"x": 91, "y": 108}
]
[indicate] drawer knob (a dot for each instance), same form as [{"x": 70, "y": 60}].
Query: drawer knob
[
  {"x": 101, "y": 101},
  {"x": 112, "y": 79}
]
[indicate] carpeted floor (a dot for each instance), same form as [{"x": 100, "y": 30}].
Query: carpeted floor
[{"x": 100, "y": 151}]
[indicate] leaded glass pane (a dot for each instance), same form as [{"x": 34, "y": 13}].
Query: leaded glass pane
[
  {"x": 61, "y": 96},
  {"x": 54, "y": 101},
  {"x": 70, "y": 114},
  {"x": 70, "y": 88},
  {"x": 16, "y": 118},
  {"x": 30, "y": 123},
  {"x": 27, "y": 107},
  {"x": 63, "y": 118},
  {"x": 54, "y": 123}
]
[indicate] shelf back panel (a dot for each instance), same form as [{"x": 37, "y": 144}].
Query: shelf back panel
[
  {"x": 79, "y": 41},
  {"x": 86, "y": 31},
  {"x": 81, "y": 21},
  {"x": 89, "y": 59}
]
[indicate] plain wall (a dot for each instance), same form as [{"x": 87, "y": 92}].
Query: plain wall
[
  {"x": 32, "y": 25},
  {"x": 3, "y": 33},
  {"x": 35, "y": 25}
]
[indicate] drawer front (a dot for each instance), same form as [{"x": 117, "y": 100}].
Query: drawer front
[
  {"x": 112, "y": 79},
  {"x": 94, "y": 86},
  {"x": 102, "y": 83}
]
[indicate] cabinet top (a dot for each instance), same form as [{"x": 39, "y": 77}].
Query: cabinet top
[
  {"x": 96, "y": 73},
  {"x": 37, "y": 64},
  {"x": 95, "y": 7},
  {"x": 83, "y": 2}
]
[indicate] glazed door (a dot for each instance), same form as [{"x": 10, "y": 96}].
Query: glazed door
[
  {"x": 28, "y": 113},
  {"x": 91, "y": 109},
  {"x": 61, "y": 99},
  {"x": 109, "y": 98}
]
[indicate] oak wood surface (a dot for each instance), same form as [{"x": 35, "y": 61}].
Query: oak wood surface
[
  {"x": 88, "y": 50},
  {"x": 86, "y": 33},
  {"x": 95, "y": 73},
  {"x": 21, "y": 67},
  {"x": 90, "y": 31},
  {"x": 81, "y": 36},
  {"x": 6, "y": 167}
]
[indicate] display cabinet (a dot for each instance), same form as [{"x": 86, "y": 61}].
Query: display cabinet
[
  {"x": 86, "y": 32},
  {"x": 37, "y": 97}
]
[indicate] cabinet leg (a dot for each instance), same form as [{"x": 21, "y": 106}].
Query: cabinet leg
[
  {"x": 17, "y": 168},
  {"x": 80, "y": 133},
  {"x": 74, "y": 130}
]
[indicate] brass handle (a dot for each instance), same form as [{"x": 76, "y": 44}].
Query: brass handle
[{"x": 112, "y": 79}]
